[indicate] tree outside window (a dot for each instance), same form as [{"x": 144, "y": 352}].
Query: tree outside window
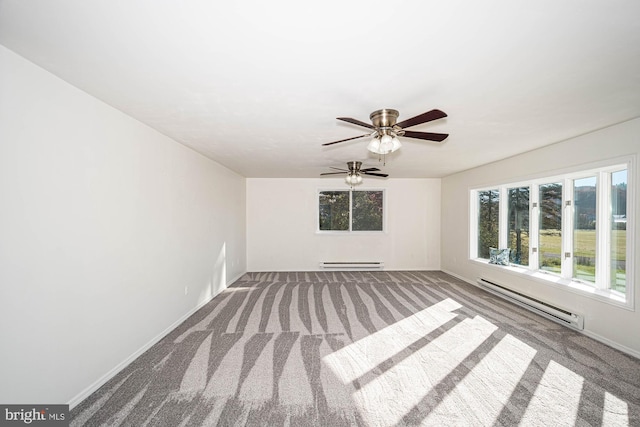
[
  {"x": 519, "y": 225},
  {"x": 488, "y": 216},
  {"x": 550, "y": 228}
]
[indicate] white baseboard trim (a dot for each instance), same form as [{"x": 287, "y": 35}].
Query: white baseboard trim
[
  {"x": 613, "y": 344},
  {"x": 457, "y": 276},
  {"x": 77, "y": 399},
  {"x": 588, "y": 333}
]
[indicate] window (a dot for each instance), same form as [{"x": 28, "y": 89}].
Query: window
[
  {"x": 334, "y": 210},
  {"x": 550, "y": 227},
  {"x": 584, "y": 229},
  {"x": 488, "y": 211},
  {"x": 618, "y": 250},
  {"x": 578, "y": 233},
  {"x": 519, "y": 225},
  {"x": 351, "y": 210},
  {"x": 366, "y": 210}
]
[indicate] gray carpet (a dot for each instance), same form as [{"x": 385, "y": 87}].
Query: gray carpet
[{"x": 368, "y": 349}]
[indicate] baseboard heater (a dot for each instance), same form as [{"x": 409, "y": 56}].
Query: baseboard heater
[
  {"x": 559, "y": 315},
  {"x": 352, "y": 265}
]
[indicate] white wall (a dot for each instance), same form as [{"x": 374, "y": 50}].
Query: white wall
[
  {"x": 282, "y": 223},
  {"x": 103, "y": 223},
  {"x": 615, "y": 325}
]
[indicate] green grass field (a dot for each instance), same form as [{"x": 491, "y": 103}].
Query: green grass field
[
  {"x": 584, "y": 253},
  {"x": 584, "y": 243}
]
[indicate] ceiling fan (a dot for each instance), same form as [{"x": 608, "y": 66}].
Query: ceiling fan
[
  {"x": 385, "y": 129},
  {"x": 354, "y": 173}
]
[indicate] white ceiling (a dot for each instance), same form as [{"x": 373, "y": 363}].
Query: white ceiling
[{"x": 257, "y": 85}]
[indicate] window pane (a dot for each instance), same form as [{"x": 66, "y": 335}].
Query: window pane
[
  {"x": 584, "y": 229},
  {"x": 488, "y": 214},
  {"x": 367, "y": 211},
  {"x": 619, "y": 230},
  {"x": 334, "y": 210},
  {"x": 519, "y": 225},
  {"x": 550, "y": 235}
]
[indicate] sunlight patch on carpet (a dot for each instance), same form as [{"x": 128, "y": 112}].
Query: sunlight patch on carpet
[
  {"x": 373, "y": 349},
  {"x": 556, "y": 399},
  {"x": 394, "y": 392},
  {"x": 489, "y": 384},
  {"x": 615, "y": 411}
]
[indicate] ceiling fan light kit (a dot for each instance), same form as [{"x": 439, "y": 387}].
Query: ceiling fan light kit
[
  {"x": 353, "y": 179},
  {"x": 384, "y": 144}
]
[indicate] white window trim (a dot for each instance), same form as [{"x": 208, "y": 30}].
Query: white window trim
[
  {"x": 350, "y": 231},
  {"x": 534, "y": 226},
  {"x": 564, "y": 280}
]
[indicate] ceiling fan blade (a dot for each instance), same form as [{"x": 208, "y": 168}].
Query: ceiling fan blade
[
  {"x": 369, "y": 170},
  {"x": 375, "y": 174},
  {"x": 348, "y": 139},
  {"x": 356, "y": 122},
  {"x": 333, "y": 173},
  {"x": 422, "y": 118},
  {"x": 429, "y": 136}
]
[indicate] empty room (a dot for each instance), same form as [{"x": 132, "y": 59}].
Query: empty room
[{"x": 329, "y": 214}]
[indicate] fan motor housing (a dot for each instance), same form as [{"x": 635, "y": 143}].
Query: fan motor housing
[
  {"x": 354, "y": 166},
  {"x": 384, "y": 118}
]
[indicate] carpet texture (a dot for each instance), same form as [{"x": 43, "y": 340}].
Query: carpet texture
[{"x": 368, "y": 349}]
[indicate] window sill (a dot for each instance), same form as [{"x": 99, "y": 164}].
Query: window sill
[
  {"x": 350, "y": 233},
  {"x": 580, "y": 288}
]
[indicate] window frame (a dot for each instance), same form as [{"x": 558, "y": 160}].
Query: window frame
[
  {"x": 350, "y": 230},
  {"x": 602, "y": 288}
]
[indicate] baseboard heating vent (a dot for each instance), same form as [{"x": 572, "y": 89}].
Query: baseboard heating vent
[
  {"x": 352, "y": 265},
  {"x": 560, "y": 315}
]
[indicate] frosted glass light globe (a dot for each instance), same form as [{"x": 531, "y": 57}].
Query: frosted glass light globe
[
  {"x": 374, "y": 146},
  {"x": 395, "y": 144},
  {"x": 386, "y": 143}
]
